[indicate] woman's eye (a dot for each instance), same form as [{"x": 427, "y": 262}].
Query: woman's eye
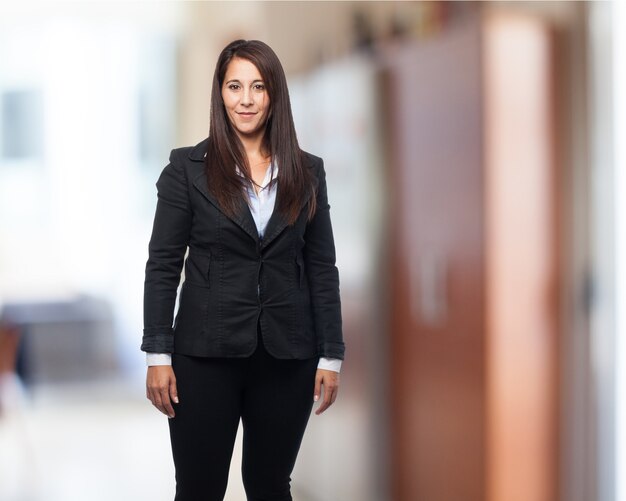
[
  {"x": 233, "y": 86},
  {"x": 260, "y": 86}
]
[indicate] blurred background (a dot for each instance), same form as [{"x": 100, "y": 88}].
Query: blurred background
[{"x": 475, "y": 161}]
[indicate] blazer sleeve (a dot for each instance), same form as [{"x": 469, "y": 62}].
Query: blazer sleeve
[
  {"x": 166, "y": 253},
  {"x": 323, "y": 276}
]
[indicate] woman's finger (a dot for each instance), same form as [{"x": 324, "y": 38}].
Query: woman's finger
[
  {"x": 173, "y": 390},
  {"x": 318, "y": 386},
  {"x": 326, "y": 403},
  {"x": 156, "y": 401},
  {"x": 166, "y": 403}
]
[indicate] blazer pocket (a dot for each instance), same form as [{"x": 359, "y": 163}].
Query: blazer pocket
[
  {"x": 198, "y": 270},
  {"x": 300, "y": 264}
]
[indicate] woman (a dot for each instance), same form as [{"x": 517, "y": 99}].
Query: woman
[{"x": 258, "y": 335}]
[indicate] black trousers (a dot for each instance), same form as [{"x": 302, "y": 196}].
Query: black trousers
[{"x": 272, "y": 397}]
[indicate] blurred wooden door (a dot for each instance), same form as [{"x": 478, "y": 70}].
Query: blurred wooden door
[{"x": 473, "y": 265}]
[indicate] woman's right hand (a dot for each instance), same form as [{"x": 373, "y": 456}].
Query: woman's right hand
[{"x": 161, "y": 388}]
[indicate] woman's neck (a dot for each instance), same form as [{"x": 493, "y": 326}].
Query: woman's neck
[{"x": 253, "y": 147}]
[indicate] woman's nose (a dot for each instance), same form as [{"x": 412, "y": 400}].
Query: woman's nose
[{"x": 247, "y": 97}]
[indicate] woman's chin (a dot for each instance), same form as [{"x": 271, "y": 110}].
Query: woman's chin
[{"x": 250, "y": 133}]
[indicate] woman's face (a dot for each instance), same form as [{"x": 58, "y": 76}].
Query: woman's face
[{"x": 245, "y": 98}]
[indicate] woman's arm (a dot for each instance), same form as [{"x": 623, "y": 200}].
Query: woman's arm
[
  {"x": 167, "y": 247},
  {"x": 323, "y": 276},
  {"x": 166, "y": 254}
]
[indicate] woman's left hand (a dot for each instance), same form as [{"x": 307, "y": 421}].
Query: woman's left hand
[{"x": 330, "y": 381}]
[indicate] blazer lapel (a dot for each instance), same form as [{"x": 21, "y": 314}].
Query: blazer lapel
[
  {"x": 243, "y": 217},
  {"x": 277, "y": 222}
]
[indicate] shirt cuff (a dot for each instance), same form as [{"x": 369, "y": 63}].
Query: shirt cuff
[
  {"x": 329, "y": 364},
  {"x": 158, "y": 359}
]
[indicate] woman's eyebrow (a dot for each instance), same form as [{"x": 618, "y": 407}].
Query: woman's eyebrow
[{"x": 236, "y": 80}]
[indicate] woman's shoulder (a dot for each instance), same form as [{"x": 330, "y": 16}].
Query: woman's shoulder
[
  {"x": 185, "y": 165},
  {"x": 194, "y": 153},
  {"x": 311, "y": 160},
  {"x": 188, "y": 160}
]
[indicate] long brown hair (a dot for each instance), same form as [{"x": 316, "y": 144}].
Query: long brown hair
[{"x": 225, "y": 150}]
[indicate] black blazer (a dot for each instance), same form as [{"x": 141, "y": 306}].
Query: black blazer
[{"x": 287, "y": 280}]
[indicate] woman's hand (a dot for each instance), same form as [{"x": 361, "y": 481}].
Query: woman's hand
[
  {"x": 161, "y": 388},
  {"x": 330, "y": 381}
]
